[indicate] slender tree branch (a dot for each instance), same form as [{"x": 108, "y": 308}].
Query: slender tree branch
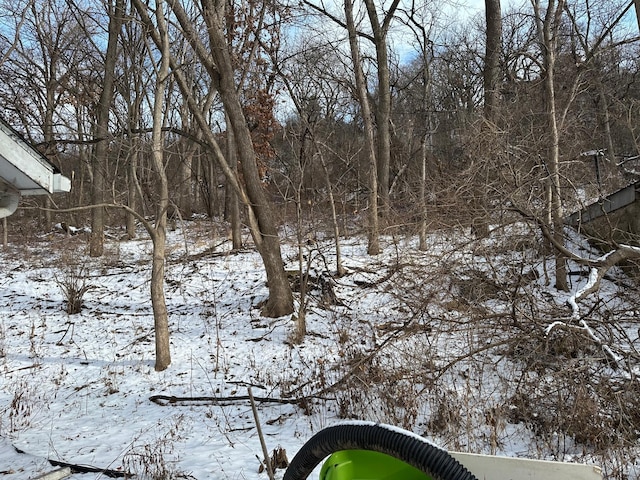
[{"x": 336, "y": 20}]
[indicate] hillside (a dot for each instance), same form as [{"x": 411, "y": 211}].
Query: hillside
[{"x": 467, "y": 344}]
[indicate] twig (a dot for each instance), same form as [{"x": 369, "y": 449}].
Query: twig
[{"x": 265, "y": 451}]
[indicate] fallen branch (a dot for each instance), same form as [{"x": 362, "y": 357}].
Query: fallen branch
[
  {"x": 584, "y": 328},
  {"x": 164, "y": 400},
  {"x": 265, "y": 450},
  {"x": 84, "y": 468},
  {"x": 599, "y": 268}
]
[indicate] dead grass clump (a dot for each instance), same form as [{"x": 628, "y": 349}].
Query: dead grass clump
[
  {"x": 382, "y": 386},
  {"x": 74, "y": 285},
  {"x": 477, "y": 287},
  {"x": 25, "y": 404},
  {"x": 149, "y": 461},
  {"x": 155, "y": 459},
  {"x": 277, "y": 460},
  {"x": 446, "y": 413},
  {"x": 571, "y": 390}
]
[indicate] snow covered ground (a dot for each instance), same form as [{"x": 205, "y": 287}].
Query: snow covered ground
[{"x": 77, "y": 388}]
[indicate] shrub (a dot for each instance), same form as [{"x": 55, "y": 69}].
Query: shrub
[{"x": 74, "y": 286}]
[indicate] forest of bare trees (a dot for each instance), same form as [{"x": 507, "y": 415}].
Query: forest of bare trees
[
  {"x": 452, "y": 143},
  {"x": 377, "y": 117}
]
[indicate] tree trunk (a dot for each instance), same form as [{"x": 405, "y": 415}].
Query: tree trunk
[
  {"x": 260, "y": 218},
  {"x": 340, "y": 270},
  {"x": 424, "y": 212},
  {"x": 158, "y": 303},
  {"x": 50, "y": 149},
  {"x": 211, "y": 176},
  {"x": 233, "y": 204},
  {"x": 96, "y": 239},
  {"x": 184, "y": 182},
  {"x": 606, "y": 124},
  {"x": 426, "y": 144},
  {"x": 185, "y": 169},
  {"x": 84, "y": 167},
  {"x": 133, "y": 187},
  {"x": 265, "y": 236},
  {"x": 547, "y": 32},
  {"x": 361, "y": 89},
  {"x": 301, "y": 317},
  {"x": 383, "y": 108},
  {"x": 492, "y": 59},
  {"x": 159, "y": 237},
  {"x": 197, "y": 191}
]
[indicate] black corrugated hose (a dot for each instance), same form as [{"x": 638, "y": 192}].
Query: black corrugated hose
[{"x": 405, "y": 446}]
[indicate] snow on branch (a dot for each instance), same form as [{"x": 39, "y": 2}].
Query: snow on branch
[
  {"x": 584, "y": 327},
  {"x": 599, "y": 268}
]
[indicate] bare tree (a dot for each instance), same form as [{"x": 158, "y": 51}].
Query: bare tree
[
  {"x": 380, "y": 30},
  {"x": 492, "y": 71},
  {"x": 313, "y": 87},
  {"x": 41, "y": 44},
  {"x": 261, "y": 218},
  {"x": 373, "y": 247},
  {"x": 9, "y": 44},
  {"x": 159, "y": 232},
  {"x": 423, "y": 123},
  {"x": 266, "y": 238},
  {"x": 548, "y": 26},
  {"x": 303, "y": 133},
  {"x": 101, "y": 149},
  {"x": 380, "y": 18},
  {"x": 130, "y": 88}
]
